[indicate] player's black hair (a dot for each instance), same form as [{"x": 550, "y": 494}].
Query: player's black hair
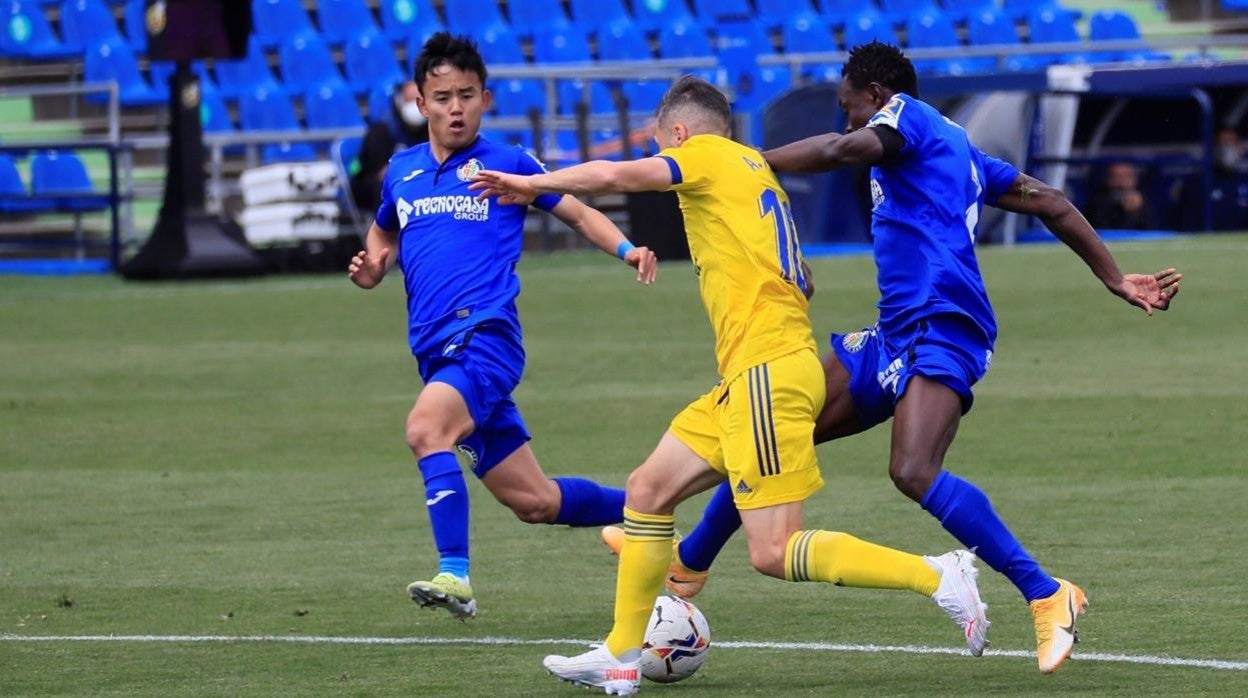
[
  {"x": 444, "y": 48},
  {"x": 692, "y": 90},
  {"x": 882, "y": 63}
]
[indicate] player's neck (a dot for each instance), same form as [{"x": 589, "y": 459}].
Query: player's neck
[{"x": 442, "y": 153}]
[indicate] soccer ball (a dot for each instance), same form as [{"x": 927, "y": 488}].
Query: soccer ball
[{"x": 677, "y": 639}]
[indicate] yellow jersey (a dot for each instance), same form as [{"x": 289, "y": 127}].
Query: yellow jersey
[{"x": 745, "y": 251}]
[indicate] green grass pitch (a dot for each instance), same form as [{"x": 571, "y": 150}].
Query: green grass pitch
[{"x": 227, "y": 459}]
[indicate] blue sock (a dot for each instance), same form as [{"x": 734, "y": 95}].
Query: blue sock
[
  {"x": 586, "y": 503},
  {"x": 446, "y": 496},
  {"x": 964, "y": 510},
  {"x": 719, "y": 521}
]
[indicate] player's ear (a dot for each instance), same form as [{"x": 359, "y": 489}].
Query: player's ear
[
  {"x": 487, "y": 98},
  {"x": 878, "y": 98},
  {"x": 420, "y": 102},
  {"x": 681, "y": 133}
]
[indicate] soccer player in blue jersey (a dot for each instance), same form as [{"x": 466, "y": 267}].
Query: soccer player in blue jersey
[
  {"x": 936, "y": 329},
  {"x": 458, "y": 256}
]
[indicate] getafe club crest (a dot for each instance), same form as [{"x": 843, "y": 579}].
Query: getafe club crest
[
  {"x": 855, "y": 341},
  {"x": 469, "y": 169}
]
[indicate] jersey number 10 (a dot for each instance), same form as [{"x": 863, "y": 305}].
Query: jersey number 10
[{"x": 787, "y": 249}]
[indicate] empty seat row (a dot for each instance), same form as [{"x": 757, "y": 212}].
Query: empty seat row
[{"x": 58, "y": 183}]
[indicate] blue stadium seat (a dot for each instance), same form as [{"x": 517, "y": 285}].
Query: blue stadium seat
[
  {"x": 866, "y": 27},
  {"x": 838, "y": 12},
  {"x": 516, "y": 97},
  {"x": 500, "y": 45},
  {"x": 306, "y": 62},
  {"x": 404, "y": 19},
  {"x": 1109, "y": 25},
  {"x": 934, "y": 29},
  {"x": 269, "y": 109},
  {"x": 684, "y": 39},
  {"x": 62, "y": 174},
  {"x": 342, "y": 20},
  {"x": 1020, "y": 10},
  {"x": 136, "y": 25},
  {"x": 899, "y": 11},
  {"x": 381, "y": 104},
  {"x": 644, "y": 95},
  {"x": 623, "y": 41},
  {"x": 1053, "y": 25},
  {"x": 961, "y": 10},
  {"x": 240, "y": 77},
  {"x": 573, "y": 91},
  {"x": 564, "y": 44},
  {"x": 214, "y": 116},
  {"x": 811, "y": 33},
  {"x": 11, "y": 186},
  {"x": 753, "y": 95},
  {"x": 738, "y": 45},
  {"x": 593, "y": 14},
  {"x": 331, "y": 105},
  {"x": 807, "y": 33},
  {"x": 991, "y": 27},
  {"x": 711, "y": 11},
  {"x": 472, "y": 16},
  {"x": 654, "y": 15},
  {"x": 26, "y": 33},
  {"x": 370, "y": 61},
  {"x": 274, "y": 20},
  {"x": 530, "y": 15},
  {"x": 114, "y": 60},
  {"x": 87, "y": 22},
  {"x": 775, "y": 13}
]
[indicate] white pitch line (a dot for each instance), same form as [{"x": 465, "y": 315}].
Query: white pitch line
[{"x": 1221, "y": 664}]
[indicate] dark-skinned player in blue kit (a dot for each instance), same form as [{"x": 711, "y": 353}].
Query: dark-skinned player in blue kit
[
  {"x": 458, "y": 256},
  {"x": 936, "y": 328}
]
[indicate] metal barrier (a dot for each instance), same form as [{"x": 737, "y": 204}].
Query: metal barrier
[
  {"x": 1203, "y": 45},
  {"x": 114, "y": 194}
]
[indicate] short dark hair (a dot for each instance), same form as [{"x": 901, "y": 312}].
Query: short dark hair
[
  {"x": 693, "y": 91},
  {"x": 882, "y": 63},
  {"x": 443, "y": 48}
]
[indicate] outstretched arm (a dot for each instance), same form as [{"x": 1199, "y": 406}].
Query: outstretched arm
[
  {"x": 586, "y": 179},
  {"x": 866, "y": 146},
  {"x": 598, "y": 229},
  {"x": 1035, "y": 198}
]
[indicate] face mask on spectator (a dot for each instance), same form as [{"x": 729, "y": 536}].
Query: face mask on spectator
[{"x": 410, "y": 113}]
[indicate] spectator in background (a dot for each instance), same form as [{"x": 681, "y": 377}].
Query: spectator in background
[
  {"x": 1119, "y": 203},
  {"x": 402, "y": 127},
  {"x": 1230, "y": 182},
  {"x": 1228, "y": 197}
]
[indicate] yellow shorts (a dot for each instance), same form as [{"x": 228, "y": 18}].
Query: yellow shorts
[{"x": 758, "y": 428}]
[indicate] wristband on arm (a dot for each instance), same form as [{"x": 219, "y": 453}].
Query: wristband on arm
[{"x": 624, "y": 248}]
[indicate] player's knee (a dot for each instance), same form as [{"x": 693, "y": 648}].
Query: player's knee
[
  {"x": 530, "y": 504},
  {"x": 912, "y": 477},
  {"x": 644, "y": 492},
  {"x": 534, "y": 509},
  {"x": 768, "y": 559},
  {"x": 425, "y": 436}
]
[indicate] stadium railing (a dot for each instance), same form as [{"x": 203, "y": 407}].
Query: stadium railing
[
  {"x": 1202, "y": 45},
  {"x": 117, "y": 151}
]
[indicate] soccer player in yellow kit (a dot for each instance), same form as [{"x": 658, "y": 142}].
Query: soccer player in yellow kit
[{"x": 755, "y": 426}]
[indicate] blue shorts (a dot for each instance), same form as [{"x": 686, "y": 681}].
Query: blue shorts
[
  {"x": 948, "y": 349},
  {"x": 484, "y": 364}
]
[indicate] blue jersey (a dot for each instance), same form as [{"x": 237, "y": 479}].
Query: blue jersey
[
  {"x": 458, "y": 254},
  {"x": 925, "y": 211}
]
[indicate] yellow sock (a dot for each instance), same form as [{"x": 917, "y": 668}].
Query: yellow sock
[
  {"x": 843, "y": 560},
  {"x": 644, "y": 558}
]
